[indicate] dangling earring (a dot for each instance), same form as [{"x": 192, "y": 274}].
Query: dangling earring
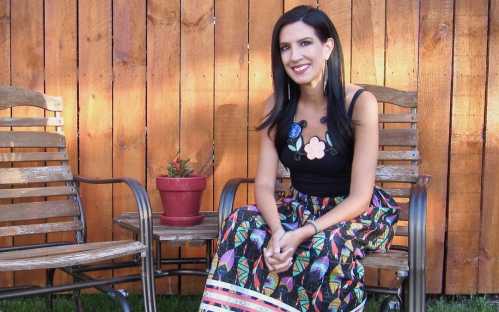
[
  {"x": 289, "y": 93},
  {"x": 325, "y": 76}
]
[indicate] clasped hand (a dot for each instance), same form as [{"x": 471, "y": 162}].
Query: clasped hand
[{"x": 279, "y": 253}]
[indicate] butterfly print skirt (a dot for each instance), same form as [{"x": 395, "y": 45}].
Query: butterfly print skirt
[{"x": 327, "y": 273}]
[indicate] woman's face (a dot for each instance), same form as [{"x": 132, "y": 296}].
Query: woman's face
[{"x": 303, "y": 54}]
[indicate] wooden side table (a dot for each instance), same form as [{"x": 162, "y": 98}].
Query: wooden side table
[{"x": 202, "y": 233}]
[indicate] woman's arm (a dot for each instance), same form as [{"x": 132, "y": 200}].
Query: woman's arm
[
  {"x": 363, "y": 167},
  {"x": 266, "y": 177},
  {"x": 265, "y": 200}
]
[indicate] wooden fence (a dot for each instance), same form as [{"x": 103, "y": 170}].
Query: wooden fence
[{"x": 143, "y": 79}]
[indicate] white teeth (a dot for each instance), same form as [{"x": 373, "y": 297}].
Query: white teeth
[{"x": 300, "y": 68}]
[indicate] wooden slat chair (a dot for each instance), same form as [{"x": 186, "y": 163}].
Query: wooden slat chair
[
  {"x": 398, "y": 172},
  {"x": 39, "y": 195}
]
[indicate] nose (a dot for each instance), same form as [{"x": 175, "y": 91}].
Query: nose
[{"x": 295, "y": 54}]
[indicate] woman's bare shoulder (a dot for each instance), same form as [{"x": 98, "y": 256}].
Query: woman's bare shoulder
[
  {"x": 365, "y": 105},
  {"x": 351, "y": 89}
]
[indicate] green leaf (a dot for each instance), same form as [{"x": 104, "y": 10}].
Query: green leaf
[
  {"x": 292, "y": 148},
  {"x": 299, "y": 143},
  {"x": 259, "y": 221},
  {"x": 303, "y": 299},
  {"x": 318, "y": 242},
  {"x": 242, "y": 271},
  {"x": 241, "y": 234},
  {"x": 301, "y": 263}
]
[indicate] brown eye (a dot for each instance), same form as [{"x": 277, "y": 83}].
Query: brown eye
[
  {"x": 284, "y": 48},
  {"x": 305, "y": 43}
]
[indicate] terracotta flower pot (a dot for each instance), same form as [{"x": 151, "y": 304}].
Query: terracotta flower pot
[{"x": 181, "y": 199}]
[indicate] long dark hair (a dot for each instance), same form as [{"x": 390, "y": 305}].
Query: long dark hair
[{"x": 287, "y": 92}]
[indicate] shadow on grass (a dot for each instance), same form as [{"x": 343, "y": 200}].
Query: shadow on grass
[{"x": 98, "y": 302}]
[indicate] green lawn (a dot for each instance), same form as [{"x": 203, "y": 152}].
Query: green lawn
[{"x": 190, "y": 303}]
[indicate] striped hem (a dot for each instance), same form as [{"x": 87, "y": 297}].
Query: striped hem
[{"x": 222, "y": 296}]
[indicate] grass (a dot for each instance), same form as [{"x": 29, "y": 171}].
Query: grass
[{"x": 64, "y": 303}]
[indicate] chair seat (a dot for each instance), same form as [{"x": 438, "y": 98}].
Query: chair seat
[
  {"x": 67, "y": 255},
  {"x": 393, "y": 260}
]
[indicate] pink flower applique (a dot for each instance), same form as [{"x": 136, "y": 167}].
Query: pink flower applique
[{"x": 315, "y": 148}]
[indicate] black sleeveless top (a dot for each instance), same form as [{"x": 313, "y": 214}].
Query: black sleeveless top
[{"x": 325, "y": 176}]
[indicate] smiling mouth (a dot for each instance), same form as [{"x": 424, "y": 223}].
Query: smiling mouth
[{"x": 300, "y": 69}]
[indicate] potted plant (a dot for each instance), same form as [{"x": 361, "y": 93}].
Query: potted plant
[{"x": 181, "y": 192}]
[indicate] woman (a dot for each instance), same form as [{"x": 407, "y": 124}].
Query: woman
[{"x": 303, "y": 253}]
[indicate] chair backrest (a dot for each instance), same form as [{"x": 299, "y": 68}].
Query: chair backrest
[
  {"x": 398, "y": 156},
  {"x": 37, "y": 193}
]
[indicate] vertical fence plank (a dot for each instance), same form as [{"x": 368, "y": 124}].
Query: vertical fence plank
[
  {"x": 435, "y": 60},
  {"x": 468, "y": 104},
  {"x": 368, "y": 55},
  {"x": 6, "y": 278},
  {"x": 95, "y": 114},
  {"x": 368, "y": 41},
  {"x": 289, "y": 4},
  {"x": 263, "y": 15},
  {"x": 129, "y": 108},
  {"x": 231, "y": 94},
  {"x": 163, "y": 107},
  {"x": 196, "y": 93},
  {"x": 28, "y": 72},
  {"x": 402, "y": 23},
  {"x": 61, "y": 80},
  {"x": 340, "y": 12},
  {"x": 488, "y": 281}
]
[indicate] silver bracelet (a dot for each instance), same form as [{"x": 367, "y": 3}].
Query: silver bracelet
[{"x": 312, "y": 222}]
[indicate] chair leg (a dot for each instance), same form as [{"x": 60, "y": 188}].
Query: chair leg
[
  {"x": 417, "y": 299},
  {"x": 148, "y": 288},
  {"x": 77, "y": 297},
  {"x": 121, "y": 295},
  {"x": 404, "y": 294},
  {"x": 50, "y": 283}
]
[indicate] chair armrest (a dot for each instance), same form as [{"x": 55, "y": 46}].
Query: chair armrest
[
  {"x": 141, "y": 200},
  {"x": 417, "y": 229},
  {"x": 228, "y": 196}
]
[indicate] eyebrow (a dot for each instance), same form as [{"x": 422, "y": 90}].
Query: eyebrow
[{"x": 299, "y": 40}]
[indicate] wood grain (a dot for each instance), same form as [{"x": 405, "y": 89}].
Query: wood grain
[
  {"x": 368, "y": 39},
  {"x": 289, "y": 4},
  {"x": 38, "y": 210},
  {"x": 16, "y": 96},
  {"x": 196, "y": 93},
  {"x": 435, "y": 76},
  {"x": 27, "y": 32},
  {"x": 129, "y": 109},
  {"x": 33, "y": 156},
  {"x": 37, "y": 192},
  {"x": 231, "y": 95},
  {"x": 468, "y": 106},
  {"x": 31, "y": 122},
  {"x": 340, "y": 13},
  {"x": 6, "y": 278},
  {"x": 488, "y": 279},
  {"x": 95, "y": 116},
  {"x": 31, "y": 139},
  {"x": 98, "y": 252},
  {"x": 401, "y": 67},
  {"x": 262, "y": 16},
  {"x": 163, "y": 104},
  {"x": 35, "y": 174},
  {"x": 40, "y": 228}
]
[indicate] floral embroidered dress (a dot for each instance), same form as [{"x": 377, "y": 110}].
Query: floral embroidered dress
[{"x": 327, "y": 273}]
